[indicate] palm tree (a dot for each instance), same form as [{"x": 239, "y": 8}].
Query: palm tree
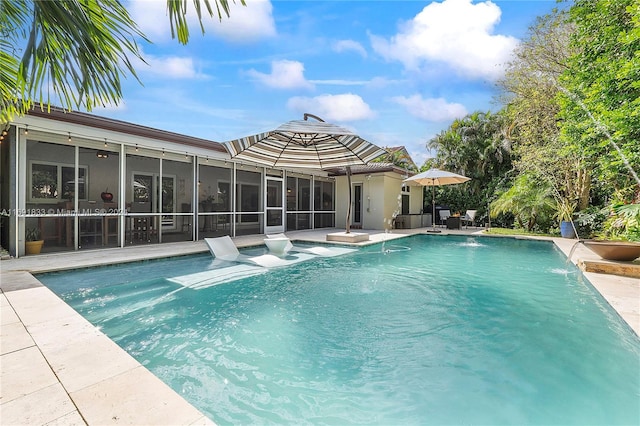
[
  {"x": 476, "y": 146},
  {"x": 77, "y": 49},
  {"x": 528, "y": 200},
  {"x": 397, "y": 156}
]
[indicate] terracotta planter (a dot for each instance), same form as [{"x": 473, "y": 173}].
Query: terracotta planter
[
  {"x": 614, "y": 250},
  {"x": 33, "y": 247}
]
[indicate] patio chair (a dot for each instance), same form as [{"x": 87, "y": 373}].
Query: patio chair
[
  {"x": 444, "y": 214},
  {"x": 469, "y": 217}
]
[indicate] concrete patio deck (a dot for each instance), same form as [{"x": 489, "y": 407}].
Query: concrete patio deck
[{"x": 56, "y": 368}]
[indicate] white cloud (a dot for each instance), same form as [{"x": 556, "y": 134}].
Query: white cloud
[
  {"x": 284, "y": 75},
  {"x": 109, "y": 106},
  {"x": 456, "y": 32},
  {"x": 349, "y": 45},
  {"x": 169, "y": 67},
  {"x": 245, "y": 23},
  {"x": 151, "y": 17},
  {"x": 174, "y": 67},
  {"x": 381, "y": 82},
  {"x": 431, "y": 109},
  {"x": 341, "y": 108},
  {"x": 341, "y": 82}
]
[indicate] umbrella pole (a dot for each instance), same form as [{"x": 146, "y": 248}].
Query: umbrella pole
[
  {"x": 433, "y": 208},
  {"x": 348, "y": 227}
]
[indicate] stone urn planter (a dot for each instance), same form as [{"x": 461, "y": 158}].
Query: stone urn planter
[{"x": 614, "y": 250}]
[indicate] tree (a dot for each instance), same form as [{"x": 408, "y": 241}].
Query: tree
[
  {"x": 77, "y": 49},
  {"x": 600, "y": 102},
  {"x": 529, "y": 200},
  {"x": 531, "y": 91},
  {"x": 477, "y": 147},
  {"x": 398, "y": 156}
]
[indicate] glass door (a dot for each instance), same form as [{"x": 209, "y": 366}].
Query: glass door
[
  {"x": 357, "y": 206},
  {"x": 275, "y": 205}
]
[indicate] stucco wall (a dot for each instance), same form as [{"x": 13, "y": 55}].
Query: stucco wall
[{"x": 381, "y": 202}]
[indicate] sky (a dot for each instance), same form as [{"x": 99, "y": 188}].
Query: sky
[{"x": 397, "y": 73}]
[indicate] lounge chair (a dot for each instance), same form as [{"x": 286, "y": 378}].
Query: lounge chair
[
  {"x": 223, "y": 248},
  {"x": 278, "y": 244},
  {"x": 318, "y": 251},
  {"x": 469, "y": 217}
]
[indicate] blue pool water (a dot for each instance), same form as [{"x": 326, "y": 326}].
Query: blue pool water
[{"x": 423, "y": 330}]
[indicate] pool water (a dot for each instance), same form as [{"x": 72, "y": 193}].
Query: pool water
[{"x": 422, "y": 330}]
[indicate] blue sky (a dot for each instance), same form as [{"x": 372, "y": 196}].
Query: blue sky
[{"x": 395, "y": 72}]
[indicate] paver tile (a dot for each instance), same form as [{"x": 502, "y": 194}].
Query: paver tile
[
  {"x": 71, "y": 419},
  {"x": 41, "y": 407},
  {"x": 24, "y": 372},
  {"x": 14, "y": 337},
  {"x": 39, "y": 304},
  {"x": 88, "y": 362},
  {"x": 137, "y": 398}
]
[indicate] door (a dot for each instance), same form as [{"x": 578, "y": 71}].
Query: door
[
  {"x": 274, "y": 205},
  {"x": 357, "y": 206},
  {"x": 146, "y": 200},
  {"x": 405, "y": 203}
]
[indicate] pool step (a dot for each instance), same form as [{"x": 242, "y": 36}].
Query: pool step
[{"x": 211, "y": 277}]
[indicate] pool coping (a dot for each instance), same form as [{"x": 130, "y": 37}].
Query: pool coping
[{"x": 81, "y": 381}]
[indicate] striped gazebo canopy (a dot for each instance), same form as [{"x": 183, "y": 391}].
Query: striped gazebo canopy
[{"x": 304, "y": 144}]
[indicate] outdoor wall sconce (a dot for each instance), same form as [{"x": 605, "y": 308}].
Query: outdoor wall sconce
[{"x": 102, "y": 154}]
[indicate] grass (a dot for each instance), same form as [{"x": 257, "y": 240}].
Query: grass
[{"x": 508, "y": 231}]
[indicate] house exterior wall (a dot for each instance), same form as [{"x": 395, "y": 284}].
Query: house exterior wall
[
  {"x": 342, "y": 195},
  {"x": 47, "y": 149},
  {"x": 417, "y": 195},
  {"x": 381, "y": 199},
  {"x": 392, "y": 199}
]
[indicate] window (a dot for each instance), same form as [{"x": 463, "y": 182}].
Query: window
[
  {"x": 323, "y": 196},
  {"x": 55, "y": 182},
  {"x": 145, "y": 190},
  {"x": 298, "y": 194},
  {"x": 248, "y": 201}
]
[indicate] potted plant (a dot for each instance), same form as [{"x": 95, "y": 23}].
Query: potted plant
[
  {"x": 620, "y": 237},
  {"x": 564, "y": 213},
  {"x": 33, "y": 243}
]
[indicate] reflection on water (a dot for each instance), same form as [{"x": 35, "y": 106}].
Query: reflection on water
[{"x": 438, "y": 330}]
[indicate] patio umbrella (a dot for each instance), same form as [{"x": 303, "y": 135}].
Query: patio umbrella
[
  {"x": 433, "y": 178},
  {"x": 308, "y": 145}
]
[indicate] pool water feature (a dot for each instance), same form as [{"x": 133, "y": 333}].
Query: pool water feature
[{"x": 447, "y": 330}]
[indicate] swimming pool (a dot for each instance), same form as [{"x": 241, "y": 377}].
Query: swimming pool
[{"x": 424, "y": 330}]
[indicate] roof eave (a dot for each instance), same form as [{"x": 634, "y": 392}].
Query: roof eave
[{"x": 109, "y": 124}]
